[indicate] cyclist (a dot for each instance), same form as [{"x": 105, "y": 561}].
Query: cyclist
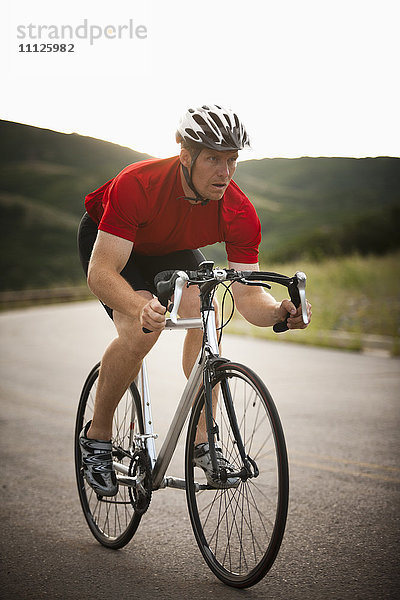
[{"x": 153, "y": 216}]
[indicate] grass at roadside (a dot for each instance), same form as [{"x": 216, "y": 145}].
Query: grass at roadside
[{"x": 353, "y": 298}]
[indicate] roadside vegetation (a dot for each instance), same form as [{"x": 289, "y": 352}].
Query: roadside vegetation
[{"x": 355, "y": 303}]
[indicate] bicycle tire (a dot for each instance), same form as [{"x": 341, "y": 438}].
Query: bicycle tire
[
  {"x": 113, "y": 521},
  {"x": 239, "y": 530}
]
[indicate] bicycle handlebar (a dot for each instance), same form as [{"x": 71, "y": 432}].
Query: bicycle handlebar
[{"x": 172, "y": 282}]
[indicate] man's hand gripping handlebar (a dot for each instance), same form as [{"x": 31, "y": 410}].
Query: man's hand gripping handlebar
[{"x": 166, "y": 288}]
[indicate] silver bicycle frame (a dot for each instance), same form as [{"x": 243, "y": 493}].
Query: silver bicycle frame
[{"x": 161, "y": 462}]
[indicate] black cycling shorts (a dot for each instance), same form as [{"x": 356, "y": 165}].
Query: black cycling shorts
[{"x": 140, "y": 270}]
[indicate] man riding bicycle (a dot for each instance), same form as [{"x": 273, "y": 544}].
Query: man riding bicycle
[{"x": 154, "y": 216}]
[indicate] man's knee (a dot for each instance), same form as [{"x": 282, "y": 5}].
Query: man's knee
[
  {"x": 131, "y": 336},
  {"x": 216, "y": 309},
  {"x": 190, "y": 304}
]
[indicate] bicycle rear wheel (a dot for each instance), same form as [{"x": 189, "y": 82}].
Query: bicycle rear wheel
[
  {"x": 239, "y": 530},
  {"x": 112, "y": 521}
]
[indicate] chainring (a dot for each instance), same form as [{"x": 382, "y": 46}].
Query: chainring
[{"x": 140, "y": 467}]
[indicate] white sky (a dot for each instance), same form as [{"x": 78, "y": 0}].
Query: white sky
[{"x": 307, "y": 77}]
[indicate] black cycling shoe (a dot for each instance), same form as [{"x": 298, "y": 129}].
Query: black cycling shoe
[
  {"x": 97, "y": 464},
  {"x": 202, "y": 459}
]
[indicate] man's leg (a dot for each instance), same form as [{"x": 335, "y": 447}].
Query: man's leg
[{"x": 119, "y": 367}]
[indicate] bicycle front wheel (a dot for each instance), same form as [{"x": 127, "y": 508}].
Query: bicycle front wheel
[
  {"x": 113, "y": 521},
  {"x": 239, "y": 530}
]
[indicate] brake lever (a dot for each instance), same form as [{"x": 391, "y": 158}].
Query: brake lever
[
  {"x": 297, "y": 292},
  {"x": 180, "y": 283},
  {"x": 301, "y": 286}
]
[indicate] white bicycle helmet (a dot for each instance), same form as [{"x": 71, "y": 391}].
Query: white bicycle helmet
[
  {"x": 210, "y": 126},
  {"x": 214, "y": 127}
]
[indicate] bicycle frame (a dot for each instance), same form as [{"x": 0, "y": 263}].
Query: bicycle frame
[
  {"x": 200, "y": 375},
  {"x": 161, "y": 462}
]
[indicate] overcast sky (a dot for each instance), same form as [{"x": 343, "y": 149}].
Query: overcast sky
[{"x": 311, "y": 77}]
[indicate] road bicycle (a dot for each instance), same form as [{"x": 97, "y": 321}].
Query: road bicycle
[{"x": 238, "y": 522}]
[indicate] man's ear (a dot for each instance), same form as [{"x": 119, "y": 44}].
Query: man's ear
[{"x": 185, "y": 158}]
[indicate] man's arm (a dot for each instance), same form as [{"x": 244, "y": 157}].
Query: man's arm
[
  {"x": 259, "y": 307},
  {"x": 110, "y": 255}
]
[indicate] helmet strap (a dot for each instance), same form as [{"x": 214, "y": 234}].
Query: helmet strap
[{"x": 189, "y": 181}]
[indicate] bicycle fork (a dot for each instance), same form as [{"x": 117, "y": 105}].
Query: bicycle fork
[{"x": 249, "y": 468}]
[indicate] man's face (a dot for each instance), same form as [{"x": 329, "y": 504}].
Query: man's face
[{"x": 213, "y": 171}]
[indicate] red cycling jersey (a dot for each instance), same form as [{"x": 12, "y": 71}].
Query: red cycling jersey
[{"x": 145, "y": 204}]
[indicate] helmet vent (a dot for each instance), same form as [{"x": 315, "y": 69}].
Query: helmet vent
[{"x": 193, "y": 134}]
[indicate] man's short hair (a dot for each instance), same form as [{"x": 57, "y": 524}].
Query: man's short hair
[{"x": 192, "y": 147}]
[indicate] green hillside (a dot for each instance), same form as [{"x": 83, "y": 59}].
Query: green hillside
[
  {"x": 44, "y": 178},
  {"x": 309, "y": 206}
]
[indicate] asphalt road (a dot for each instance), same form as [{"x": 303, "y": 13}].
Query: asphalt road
[{"x": 341, "y": 416}]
